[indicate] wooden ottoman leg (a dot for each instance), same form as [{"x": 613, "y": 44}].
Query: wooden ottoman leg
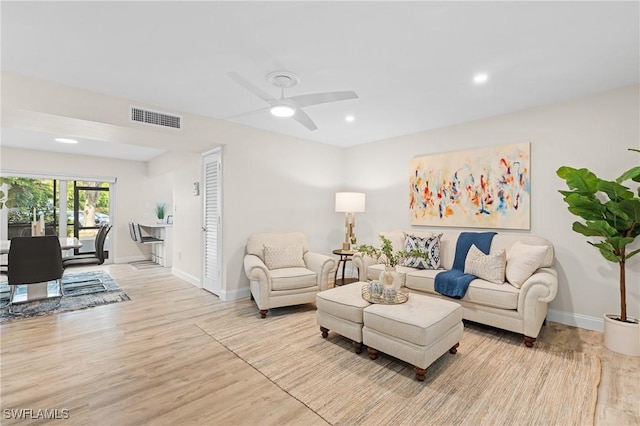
[
  {"x": 373, "y": 354},
  {"x": 529, "y": 341},
  {"x": 420, "y": 373},
  {"x": 325, "y": 332},
  {"x": 454, "y": 349},
  {"x": 263, "y": 313},
  {"x": 358, "y": 347}
]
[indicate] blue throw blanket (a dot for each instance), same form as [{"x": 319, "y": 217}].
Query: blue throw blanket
[{"x": 454, "y": 283}]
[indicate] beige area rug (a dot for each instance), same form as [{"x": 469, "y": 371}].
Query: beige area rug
[{"x": 492, "y": 380}]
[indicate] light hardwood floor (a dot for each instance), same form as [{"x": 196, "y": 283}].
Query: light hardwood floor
[{"x": 145, "y": 361}]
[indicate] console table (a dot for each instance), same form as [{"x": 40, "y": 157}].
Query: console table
[{"x": 161, "y": 253}]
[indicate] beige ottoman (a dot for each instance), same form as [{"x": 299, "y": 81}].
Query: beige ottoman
[
  {"x": 340, "y": 310},
  {"x": 418, "y": 331}
]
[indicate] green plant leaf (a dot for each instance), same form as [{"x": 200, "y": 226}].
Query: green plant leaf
[
  {"x": 614, "y": 190},
  {"x": 619, "y": 242},
  {"x": 607, "y": 253},
  {"x": 633, "y": 253},
  {"x": 633, "y": 174},
  {"x": 631, "y": 208},
  {"x": 581, "y": 179},
  {"x": 587, "y": 207},
  {"x": 594, "y": 228},
  {"x": 617, "y": 217}
]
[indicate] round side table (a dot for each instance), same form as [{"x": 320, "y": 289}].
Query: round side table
[{"x": 345, "y": 256}]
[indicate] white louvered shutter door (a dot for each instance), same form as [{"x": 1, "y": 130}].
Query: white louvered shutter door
[{"x": 212, "y": 270}]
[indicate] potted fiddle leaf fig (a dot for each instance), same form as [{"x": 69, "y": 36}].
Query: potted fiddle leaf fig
[{"x": 610, "y": 213}]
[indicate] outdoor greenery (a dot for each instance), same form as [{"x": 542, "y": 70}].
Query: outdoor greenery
[
  {"x": 610, "y": 212},
  {"x": 22, "y": 195}
]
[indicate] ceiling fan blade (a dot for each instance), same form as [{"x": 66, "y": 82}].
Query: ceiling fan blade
[
  {"x": 301, "y": 117},
  {"x": 250, "y": 87},
  {"x": 322, "y": 98},
  {"x": 244, "y": 114}
]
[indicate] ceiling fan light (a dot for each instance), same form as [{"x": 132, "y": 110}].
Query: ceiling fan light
[{"x": 282, "y": 110}]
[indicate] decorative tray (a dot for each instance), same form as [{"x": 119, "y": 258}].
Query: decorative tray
[{"x": 400, "y": 297}]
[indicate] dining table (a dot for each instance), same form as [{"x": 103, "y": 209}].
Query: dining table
[{"x": 66, "y": 243}]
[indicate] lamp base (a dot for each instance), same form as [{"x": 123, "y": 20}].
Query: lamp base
[{"x": 346, "y": 246}]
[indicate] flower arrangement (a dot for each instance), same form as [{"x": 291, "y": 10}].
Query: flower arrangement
[{"x": 387, "y": 256}]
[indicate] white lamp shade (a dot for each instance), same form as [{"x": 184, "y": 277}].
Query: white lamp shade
[{"x": 349, "y": 202}]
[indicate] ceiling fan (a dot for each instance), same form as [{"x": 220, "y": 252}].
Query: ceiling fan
[{"x": 289, "y": 106}]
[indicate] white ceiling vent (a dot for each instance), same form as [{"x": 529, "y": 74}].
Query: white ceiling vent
[{"x": 155, "y": 118}]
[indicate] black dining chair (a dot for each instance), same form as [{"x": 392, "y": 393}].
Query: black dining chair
[
  {"x": 34, "y": 260},
  {"x": 96, "y": 258}
]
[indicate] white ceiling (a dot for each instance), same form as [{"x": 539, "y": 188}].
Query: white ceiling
[
  {"x": 411, "y": 63},
  {"x": 28, "y": 139}
]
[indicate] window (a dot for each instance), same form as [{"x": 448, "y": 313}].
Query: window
[{"x": 85, "y": 206}]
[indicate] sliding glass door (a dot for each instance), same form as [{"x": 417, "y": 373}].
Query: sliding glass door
[
  {"x": 89, "y": 204},
  {"x": 84, "y": 207}
]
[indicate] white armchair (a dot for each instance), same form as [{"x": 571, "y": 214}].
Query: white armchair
[{"x": 283, "y": 272}]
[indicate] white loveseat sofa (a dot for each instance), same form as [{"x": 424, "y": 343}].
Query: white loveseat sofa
[{"x": 521, "y": 310}]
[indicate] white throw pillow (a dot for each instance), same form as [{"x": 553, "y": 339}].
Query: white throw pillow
[
  {"x": 522, "y": 261},
  {"x": 289, "y": 256},
  {"x": 489, "y": 267}
]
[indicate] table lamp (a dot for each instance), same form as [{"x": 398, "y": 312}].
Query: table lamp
[{"x": 349, "y": 203}]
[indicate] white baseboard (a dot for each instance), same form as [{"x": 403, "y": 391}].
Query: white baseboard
[
  {"x": 187, "y": 277},
  {"x": 235, "y": 294},
  {"x": 576, "y": 320},
  {"x": 130, "y": 259}
]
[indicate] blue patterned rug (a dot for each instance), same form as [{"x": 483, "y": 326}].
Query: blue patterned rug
[{"x": 82, "y": 290}]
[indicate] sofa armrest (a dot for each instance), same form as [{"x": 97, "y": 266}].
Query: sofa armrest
[
  {"x": 542, "y": 286},
  {"x": 535, "y": 294},
  {"x": 322, "y": 265},
  {"x": 361, "y": 263},
  {"x": 256, "y": 270}
]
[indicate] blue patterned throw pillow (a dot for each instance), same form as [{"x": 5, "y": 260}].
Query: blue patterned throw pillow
[{"x": 430, "y": 244}]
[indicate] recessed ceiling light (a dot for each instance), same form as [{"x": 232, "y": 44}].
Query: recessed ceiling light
[
  {"x": 66, "y": 140},
  {"x": 350, "y": 118},
  {"x": 282, "y": 110},
  {"x": 480, "y": 78}
]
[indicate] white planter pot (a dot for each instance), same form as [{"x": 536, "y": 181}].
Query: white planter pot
[
  {"x": 622, "y": 337},
  {"x": 390, "y": 278}
]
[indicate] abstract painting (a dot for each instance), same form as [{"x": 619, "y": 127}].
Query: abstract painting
[{"x": 485, "y": 188}]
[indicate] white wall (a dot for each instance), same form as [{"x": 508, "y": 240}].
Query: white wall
[
  {"x": 592, "y": 132},
  {"x": 270, "y": 181},
  {"x": 136, "y": 194},
  {"x": 274, "y": 183}
]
